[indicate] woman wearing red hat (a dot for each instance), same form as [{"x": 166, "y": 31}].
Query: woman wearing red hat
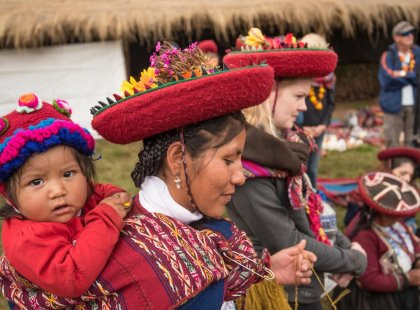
[
  {"x": 403, "y": 162},
  {"x": 186, "y": 113},
  {"x": 392, "y": 276},
  {"x": 275, "y": 206}
]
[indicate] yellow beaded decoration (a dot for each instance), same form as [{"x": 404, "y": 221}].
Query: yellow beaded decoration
[{"x": 315, "y": 98}]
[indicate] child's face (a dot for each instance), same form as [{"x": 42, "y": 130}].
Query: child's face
[{"x": 52, "y": 187}]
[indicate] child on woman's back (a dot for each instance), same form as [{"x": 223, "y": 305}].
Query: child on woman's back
[{"x": 59, "y": 226}]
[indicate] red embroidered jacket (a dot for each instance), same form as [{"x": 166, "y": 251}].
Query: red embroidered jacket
[
  {"x": 69, "y": 254},
  {"x": 382, "y": 273}
]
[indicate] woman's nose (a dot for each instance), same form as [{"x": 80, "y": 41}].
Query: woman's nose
[
  {"x": 238, "y": 178},
  {"x": 302, "y": 105}
]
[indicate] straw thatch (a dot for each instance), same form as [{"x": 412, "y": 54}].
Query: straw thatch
[{"x": 25, "y": 23}]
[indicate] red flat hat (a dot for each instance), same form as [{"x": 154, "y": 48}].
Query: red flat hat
[
  {"x": 404, "y": 151},
  {"x": 208, "y": 46},
  {"x": 287, "y": 62},
  {"x": 387, "y": 194},
  {"x": 288, "y": 57},
  {"x": 181, "y": 102}
]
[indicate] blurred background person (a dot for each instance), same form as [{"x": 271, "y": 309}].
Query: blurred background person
[
  {"x": 209, "y": 47},
  {"x": 403, "y": 162},
  {"x": 320, "y": 106},
  {"x": 399, "y": 85},
  {"x": 392, "y": 276}
]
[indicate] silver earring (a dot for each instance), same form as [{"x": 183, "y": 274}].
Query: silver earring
[{"x": 177, "y": 181}]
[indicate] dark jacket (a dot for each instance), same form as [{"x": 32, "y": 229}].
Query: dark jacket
[
  {"x": 261, "y": 208},
  {"x": 390, "y": 94},
  {"x": 314, "y": 117}
]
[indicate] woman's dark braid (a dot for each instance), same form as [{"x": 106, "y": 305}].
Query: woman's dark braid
[
  {"x": 367, "y": 215},
  {"x": 154, "y": 152}
]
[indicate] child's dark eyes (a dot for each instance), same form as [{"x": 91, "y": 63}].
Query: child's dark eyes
[
  {"x": 36, "y": 182},
  {"x": 69, "y": 174}
]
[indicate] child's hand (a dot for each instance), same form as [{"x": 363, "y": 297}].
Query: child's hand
[{"x": 121, "y": 202}]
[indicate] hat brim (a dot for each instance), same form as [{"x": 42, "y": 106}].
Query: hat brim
[
  {"x": 394, "y": 152},
  {"x": 374, "y": 204},
  {"x": 182, "y": 103},
  {"x": 287, "y": 62}
]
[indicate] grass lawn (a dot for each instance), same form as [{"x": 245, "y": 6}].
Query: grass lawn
[{"x": 349, "y": 164}]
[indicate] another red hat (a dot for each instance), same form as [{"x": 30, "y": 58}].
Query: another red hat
[
  {"x": 387, "y": 194},
  {"x": 404, "y": 151},
  {"x": 179, "y": 89},
  {"x": 288, "y": 57},
  {"x": 208, "y": 46}
]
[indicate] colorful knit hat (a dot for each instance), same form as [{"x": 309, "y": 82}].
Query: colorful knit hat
[
  {"x": 178, "y": 89},
  {"x": 403, "y": 151},
  {"x": 288, "y": 57},
  {"x": 387, "y": 194},
  {"x": 34, "y": 127}
]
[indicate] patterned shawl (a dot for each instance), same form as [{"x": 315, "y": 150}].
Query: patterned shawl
[{"x": 158, "y": 263}]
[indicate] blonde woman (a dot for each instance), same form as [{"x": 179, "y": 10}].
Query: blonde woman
[
  {"x": 320, "y": 106},
  {"x": 273, "y": 207}
]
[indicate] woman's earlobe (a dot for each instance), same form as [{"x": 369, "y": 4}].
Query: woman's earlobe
[{"x": 174, "y": 157}]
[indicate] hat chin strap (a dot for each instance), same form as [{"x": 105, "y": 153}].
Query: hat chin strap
[
  {"x": 275, "y": 97},
  {"x": 187, "y": 179}
]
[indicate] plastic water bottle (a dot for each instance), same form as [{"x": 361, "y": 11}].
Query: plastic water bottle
[{"x": 328, "y": 221}]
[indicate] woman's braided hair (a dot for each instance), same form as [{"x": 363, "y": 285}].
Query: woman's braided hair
[
  {"x": 198, "y": 138},
  {"x": 367, "y": 215}
]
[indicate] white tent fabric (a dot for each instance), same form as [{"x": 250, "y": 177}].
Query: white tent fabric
[{"x": 81, "y": 74}]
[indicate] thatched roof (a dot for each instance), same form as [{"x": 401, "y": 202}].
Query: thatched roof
[{"x": 26, "y": 23}]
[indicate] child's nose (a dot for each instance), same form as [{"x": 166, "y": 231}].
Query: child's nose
[{"x": 57, "y": 189}]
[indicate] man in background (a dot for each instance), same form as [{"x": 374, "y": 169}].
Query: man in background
[{"x": 399, "y": 85}]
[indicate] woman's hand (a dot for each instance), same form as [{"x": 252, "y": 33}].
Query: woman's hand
[
  {"x": 356, "y": 246},
  {"x": 319, "y": 130},
  {"x": 342, "y": 280},
  {"x": 414, "y": 277},
  {"x": 293, "y": 265},
  {"x": 309, "y": 130}
]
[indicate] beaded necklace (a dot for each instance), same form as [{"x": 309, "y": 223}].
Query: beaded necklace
[
  {"x": 407, "y": 66},
  {"x": 316, "y": 98}
]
